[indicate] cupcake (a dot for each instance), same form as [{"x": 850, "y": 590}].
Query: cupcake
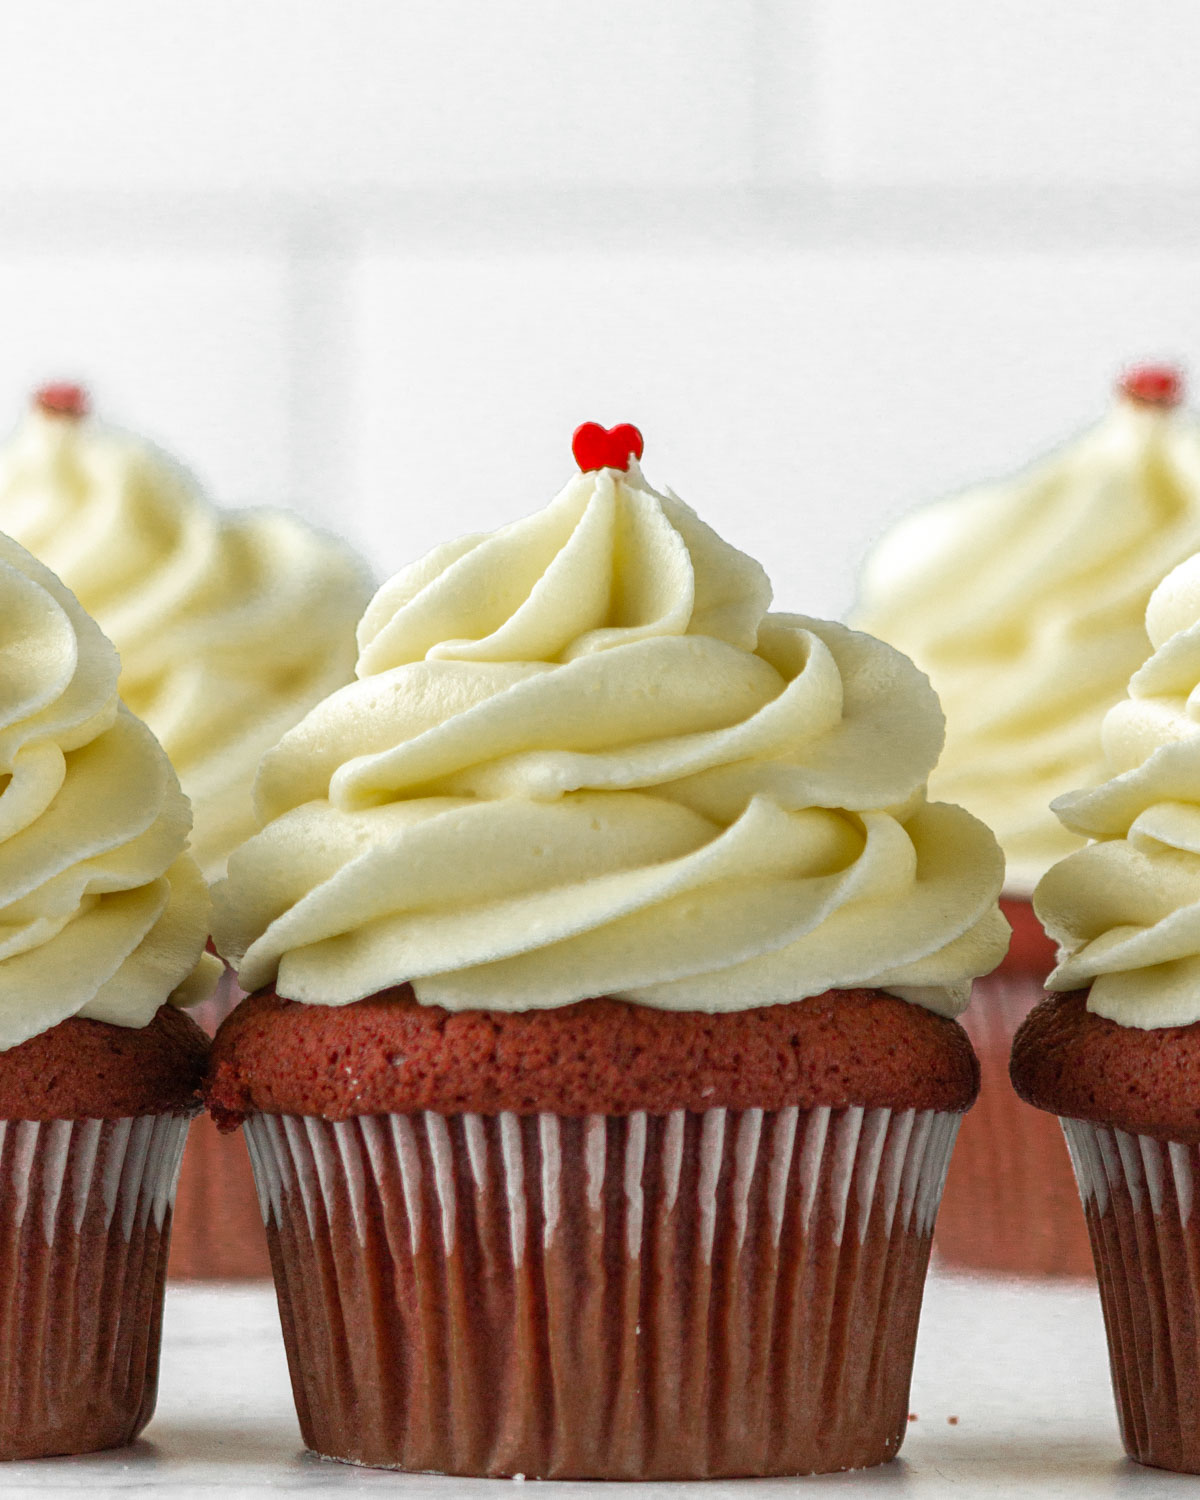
[
  {"x": 230, "y": 625},
  {"x": 1114, "y": 1051},
  {"x": 601, "y": 1073},
  {"x": 104, "y": 921},
  {"x": 1024, "y": 600}
]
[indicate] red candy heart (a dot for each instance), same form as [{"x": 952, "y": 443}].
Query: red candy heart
[
  {"x": 61, "y": 399},
  {"x": 1153, "y": 385},
  {"x": 597, "y": 447}
]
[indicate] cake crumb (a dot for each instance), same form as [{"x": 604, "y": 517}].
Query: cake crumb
[
  {"x": 912, "y": 1416},
  {"x": 953, "y": 1421}
]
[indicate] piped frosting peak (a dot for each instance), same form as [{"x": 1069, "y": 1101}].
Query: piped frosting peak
[{"x": 582, "y": 758}]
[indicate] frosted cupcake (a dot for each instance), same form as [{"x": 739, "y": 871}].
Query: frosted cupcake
[
  {"x": 1024, "y": 600},
  {"x": 602, "y": 1074},
  {"x": 230, "y": 625},
  {"x": 1115, "y": 1053},
  {"x": 103, "y": 921}
]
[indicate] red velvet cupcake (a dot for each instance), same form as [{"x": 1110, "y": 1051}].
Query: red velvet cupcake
[
  {"x": 104, "y": 919},
  {"x": 1118, "y": 1061},
  {"x": 602, "y": 1074},
  {"x": 93, "y": 1119},
  {"x": 1023, "y": 600},
  {"x": 230, "y": 624},
  {"x": 608, "y": 1175}
]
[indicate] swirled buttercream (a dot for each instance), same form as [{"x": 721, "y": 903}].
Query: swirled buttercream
[
  {"x": 1125, "y": 910},
  {"x": 582, "y": 759},
  {"x": 1024, "y": 601},
  {"x": 230, "y": 624},
  {"x": 102, "y": 913}
]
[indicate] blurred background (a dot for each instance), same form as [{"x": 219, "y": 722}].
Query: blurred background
[{"x": 376, "y": 261}]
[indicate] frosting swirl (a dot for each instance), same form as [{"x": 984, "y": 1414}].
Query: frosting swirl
[
  {"x": 1126, "y": 909},
  {"x": 582, "y": 759},
  {"x": 102, "y": 914},
  {"x": 1024, "y": 601},
  {"x": 230, "y": 624}
]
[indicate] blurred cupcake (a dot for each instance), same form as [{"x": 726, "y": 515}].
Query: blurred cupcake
[
  {"x": 1115, "y": 1052},
  {"x": 1024, "y": 601},
  {"x": 601, "y": 1077},
  {"x": 230, "y": 625},
  {"x": 103, "y": 919}
]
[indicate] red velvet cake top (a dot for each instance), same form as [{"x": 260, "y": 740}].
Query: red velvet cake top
[
  {"x": 91, "y": 1070},
  {"x": 388, "y": 1054},
  {"x": 1070, "y": 1062}
]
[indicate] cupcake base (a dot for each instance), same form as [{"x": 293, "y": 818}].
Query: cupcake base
[
  {"x": 1140, "y": 1198},
  {"x": 85, "y": 1219},
  {"x": 1011, "y": 1204},
  {"x": 670, "y": 1296},
  {"x": 218, "y": 1232}
]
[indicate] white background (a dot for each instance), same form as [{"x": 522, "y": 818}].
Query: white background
[{"x": 376, "y": 260}]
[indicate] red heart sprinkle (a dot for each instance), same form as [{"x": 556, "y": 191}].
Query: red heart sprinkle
[
  {"x": 597, "y": 447},
  {"x": 1153, "y": 385},
  {"x": 61, "y": 399}
]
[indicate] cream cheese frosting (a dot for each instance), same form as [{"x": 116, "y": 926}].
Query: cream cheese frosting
[
  {"x": 102, "y": 913},
  {"x": 230, "y": 624},
  {"x": 1125, "y": 910},
  {"x": 581, "y": 758},
  {"x": 1024, "y": 601}
]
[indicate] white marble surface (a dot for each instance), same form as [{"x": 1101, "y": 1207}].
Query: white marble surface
[{"x": 1022, "y": 1367}]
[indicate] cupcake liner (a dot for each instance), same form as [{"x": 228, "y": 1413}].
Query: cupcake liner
[
  {"x": 1139, "y": 1195},
  {"x": 1011, "y": 1205},
  {"x": 637, "y": 1296},
  {"x": 218, "y": 1232},
  {"x": 85, "y": 1218}
]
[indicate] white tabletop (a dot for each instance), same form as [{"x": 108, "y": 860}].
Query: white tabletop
[{"x": 1022, "y": 1367}]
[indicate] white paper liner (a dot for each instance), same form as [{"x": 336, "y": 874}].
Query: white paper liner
[
  {"x": 1139, "y": 1197},
  {"x": 679, "y": 1295},
  {"x": 84, "y": 1225}
]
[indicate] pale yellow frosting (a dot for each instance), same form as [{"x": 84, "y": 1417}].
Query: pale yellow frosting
[
  {"x": 1126, "y": 909},
  {"x": 102, "y": 913},
  {"x": 582, "y": 759},
  {"x": 1024, "y": 601},
  {"x": 230, "y": 624}
]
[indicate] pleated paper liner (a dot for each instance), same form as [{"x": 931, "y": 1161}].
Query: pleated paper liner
[
  {"x": 85, "y": 1218},
  {"x": 638, "y": 1296},
  {"x": 1139, "y": 1195},
  {"x": 218, "y": 1233},
  {"x": 1011, "y": 1205}
]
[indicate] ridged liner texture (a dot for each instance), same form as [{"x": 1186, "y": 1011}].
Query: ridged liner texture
[
  {"x": 218, "y": 1231},
  {"x": 1010, "y": 1205},
  {"x": 638, "y": 1296},
  {"x": 85, "y": 1220},
  {"x": 1139, "y": 1195}
]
